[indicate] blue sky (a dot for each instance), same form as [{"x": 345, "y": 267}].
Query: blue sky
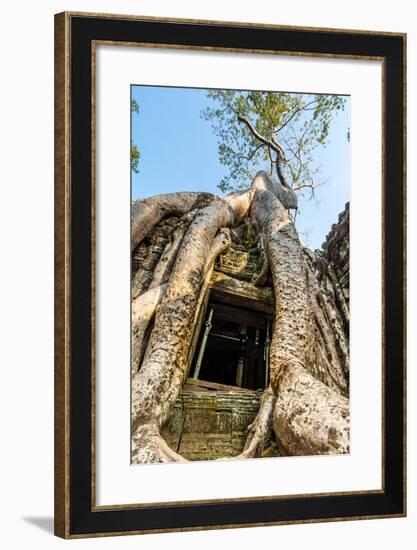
[{"x": 179, "y": 152}]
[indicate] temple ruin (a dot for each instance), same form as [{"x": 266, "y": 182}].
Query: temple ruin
[{"x": 227, "y": 368}]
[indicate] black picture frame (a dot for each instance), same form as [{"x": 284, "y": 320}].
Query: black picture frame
[{"x": 75, "y": 514}]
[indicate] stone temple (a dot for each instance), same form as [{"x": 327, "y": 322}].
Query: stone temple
[{"x": 228, "y": 358}]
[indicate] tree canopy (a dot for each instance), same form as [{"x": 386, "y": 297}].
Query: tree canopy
[{"x": 276, "y": 131}]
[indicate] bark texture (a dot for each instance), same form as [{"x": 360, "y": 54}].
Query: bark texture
[
  {"x": 304, "y": 339},
  {"x": 148, "y": 212},
  {"x": 143, "y": 310},
  {"x": 310, "y": 418},
  {"x": 156, "y": 385},
  {"x": 305, "y": 408},
  {"x": 260, "y": 430}
]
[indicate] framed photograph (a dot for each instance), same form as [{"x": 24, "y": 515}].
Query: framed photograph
[{"x": 229, "y": 275}]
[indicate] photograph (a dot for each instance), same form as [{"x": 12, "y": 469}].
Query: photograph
[
  {"x": 239, "y": 274},
  {"x": 229, "y": 318}
]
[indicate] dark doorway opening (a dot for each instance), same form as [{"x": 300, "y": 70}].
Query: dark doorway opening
[{"x": 233, "y": 347}]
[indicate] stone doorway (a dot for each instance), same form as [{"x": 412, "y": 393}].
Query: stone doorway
[{"x": 233, "y": 347}]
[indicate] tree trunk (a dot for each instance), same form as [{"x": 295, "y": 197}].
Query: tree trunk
[
  {"x": 143, "y": 310},
  {"x": 156, "y": 385},
  {"x": 306, "y": 404},
  {"x": 149, "y": 212},
  {"x": 309, "y": 417},
  {"x": 295, "y": 339}
]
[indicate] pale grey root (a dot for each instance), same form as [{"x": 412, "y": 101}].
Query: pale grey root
[{"x": 305, "y": 405}]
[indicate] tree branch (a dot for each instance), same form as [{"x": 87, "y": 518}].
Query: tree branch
[
  {"x": 252, "y": 153},
  {"x": 293, "y": 115},
  {"x": 280, "y": 173},
  {"x": 312, "y": 186},
  {"x": 260, "y": 137},
  {"x": 271, "y": 144}
]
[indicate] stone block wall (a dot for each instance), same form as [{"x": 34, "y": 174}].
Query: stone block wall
[
  {"x": 336, "y": 251},
  {"x": 206, "y": 425},
  {"x": 147, "y": 254},
  {"x": 241, "y": 262}
]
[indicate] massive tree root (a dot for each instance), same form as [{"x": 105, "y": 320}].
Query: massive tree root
[
  {"x": 310, "y": 418},
  {"x": 305, "y": 404},
  {"x": 144, "y": 305},
  {"x": 294, "y": 341},
  {"x": 147, "y": 213},
  {"x": 260, "y": 430},
  {"x": 148, "y": 446},
  {"x": 156, "y": 385},
  {"x": 143, "y": 310}
]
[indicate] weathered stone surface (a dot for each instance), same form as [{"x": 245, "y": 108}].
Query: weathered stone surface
[
  {"x": 309, "y": 356},
  {"x": 241, "y": 262},
  {"x": 147, "y": 213},
  {"x": 336, "y": 250},
  {"x": 206, "y": 425},
  {"x": 260, "y": 298},
  {"x": 146, "y": 256},
  {"x": 330, "y": 282}
]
